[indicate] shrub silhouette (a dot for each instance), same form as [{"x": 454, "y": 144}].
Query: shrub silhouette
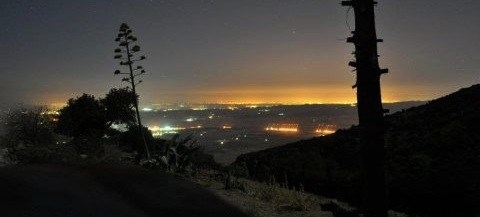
[
  {"x": 29, "y": 126},
  {"x": 85, "y": 120},
  {"x": 30, "y": 139},
  {"x": 119, "y": 104}
]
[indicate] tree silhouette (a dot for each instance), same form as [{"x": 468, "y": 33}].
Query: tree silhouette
[
  {"x": 120, "y": 106},
  {"x": 127, "y": 53},
  {"x": 370, "y": 110},
  {"x": 84, "y": 119},
  {"x": 83, "y": 116}
]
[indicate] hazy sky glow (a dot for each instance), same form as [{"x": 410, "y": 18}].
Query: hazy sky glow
[{"x": 284, "y": 51}]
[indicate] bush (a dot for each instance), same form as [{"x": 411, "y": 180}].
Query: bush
[
  {"x": 28, "y": 126},
  {"x": 53, "y": 153},
  {"x": 131, "y": 140},
  {"x": 29, "y": 137}
]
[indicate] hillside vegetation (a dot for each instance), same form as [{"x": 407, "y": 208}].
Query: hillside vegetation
[{"x": 433, "y": 159}]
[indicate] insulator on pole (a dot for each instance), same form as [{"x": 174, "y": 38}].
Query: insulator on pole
[
  {"x": 352, "y": 64},
  {"x": 347, "y": 3}
]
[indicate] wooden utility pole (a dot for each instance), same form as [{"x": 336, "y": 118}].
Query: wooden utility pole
[{"x": 370, "y": 110}]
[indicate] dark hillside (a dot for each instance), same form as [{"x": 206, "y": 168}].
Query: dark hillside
[{"x": 433, "y": 159}]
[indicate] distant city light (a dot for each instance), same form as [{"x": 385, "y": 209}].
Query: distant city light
[
  {"x": 52, "y": 112},
  {"x": 190, "y": 119},
  {"x": 147, "y": 109},
  {"x": 292, "y": 128},
  {"x": 325, "y": 129},
  {"x": 160, "y": 131},
  {"x": 199, "y": 109},
  {"x": 226, "y": 127}
]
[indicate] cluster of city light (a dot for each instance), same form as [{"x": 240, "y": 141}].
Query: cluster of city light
[
  {"x": 292, "y": 128},
  {"x": 147, "y": 109},
  {"x": 226, "y": 127},
  {"x": 325, "y": 129},
  {"x": 191, "y": 119},
  {"x": 199, "y": 108},
  {"x": 51, "y": 112},
  {"x": 160, "y": 131}
]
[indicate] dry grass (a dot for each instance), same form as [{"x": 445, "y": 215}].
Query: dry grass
[
  {"x": 271, "y": 199},
  {"x": 261, "y": 199}
]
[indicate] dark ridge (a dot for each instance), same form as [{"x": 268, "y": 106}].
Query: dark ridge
[{"x": 433, "y": 159}]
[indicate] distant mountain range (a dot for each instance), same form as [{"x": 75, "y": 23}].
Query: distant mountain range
[{"x": 433, "y": 159}]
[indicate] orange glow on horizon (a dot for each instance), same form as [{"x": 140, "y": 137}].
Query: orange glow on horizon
[
  {"x": 322, "y": 94},
  {"x": 300, "y": 96}
]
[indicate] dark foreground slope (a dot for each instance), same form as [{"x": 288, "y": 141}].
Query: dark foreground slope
[
  {"x": 49, "y": 190},
  {"x": 433, "y": 159}
]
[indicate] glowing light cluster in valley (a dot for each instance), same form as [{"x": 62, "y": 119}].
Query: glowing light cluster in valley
[
  {"x": 325, "y": 129},
  {"x": 160, "y": 131},
  {"x": 292, "y": 128}
]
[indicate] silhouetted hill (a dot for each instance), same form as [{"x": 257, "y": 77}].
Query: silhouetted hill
[{"x": 433, "y": 159}]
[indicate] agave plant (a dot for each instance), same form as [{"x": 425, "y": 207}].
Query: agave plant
[{"x": 174, "y": 154}]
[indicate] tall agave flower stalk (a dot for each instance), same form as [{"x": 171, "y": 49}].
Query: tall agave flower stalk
[{"x": 127, "y": 53}]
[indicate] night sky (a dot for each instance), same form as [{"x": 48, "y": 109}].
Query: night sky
[{"x": 284, "y": 51}]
